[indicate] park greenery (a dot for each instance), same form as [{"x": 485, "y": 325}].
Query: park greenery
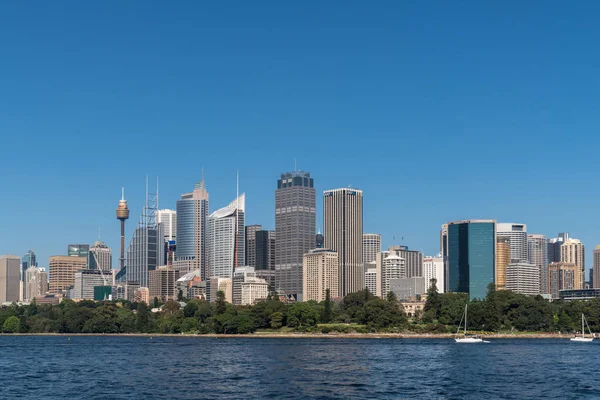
[{"x": 360, "y": 312}]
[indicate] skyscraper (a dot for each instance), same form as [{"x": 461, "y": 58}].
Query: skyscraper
[
  {"x": 62, "y": 272},
  {"x": 371, "y": 246},
  {"x": 320, "y": 273},
  {"x": 523, "y": 277},
  {"x": 444, "y": 252},
  {"x": 389, "y": 265},
  {"x": 226, "y": 242},
  {"x": 28, "y": 260},
  {"x": 503, "y": 253},
  {"x": 169, "y": 220},
  {"x": 413, "y": 259},
  {"x": 343, "y": 227},
  {"x": 517, "y": 233},
  {"x": 192, "y": 217},
  {"x": 596, "y": 269},
  {"x": 80, "y": 250},
  {"x": 573, "y": 251},
  {"x": 553, "y": 245},
  {"x": 10, "y": 277},
  {"x": 471, "y": 256},
  {"x": 433, "y": 268},
  {"x": 100, "y": 257},
  {"x": 251, "y": 244},
  {"x": 538, "y": 255},
  {"x": 295, "y": 227},
  {"x": 265, "y": 256},
  {"x": 36, "y": 282}
]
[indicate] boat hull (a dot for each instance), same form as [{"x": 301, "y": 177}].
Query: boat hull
[
  {"x": 582, "y": 340},
  {"x": 468, "y": 340}
]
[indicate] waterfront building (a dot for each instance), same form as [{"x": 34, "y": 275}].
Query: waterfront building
[
  {"x": 343, "y": 227},
  {"x": 503, "y": 252},
  {"x": 596, "y": 268},
  {"x": 265, "y": 257},
  {"x": 217, "y": 284},
  {"x": 84, "y": 283},
  {"x": 240, "y": 275},
  {"x": 161, "y": 283},
  {"x": 62, "y": 272},
  {"x": 371, "y": 276},
  {"x": 10, "y": 278},
  {"x": 253, "y": 290},
  {"x": 295, "y": 227},
  {"x": 517, "y": 233},
  {"x": 433, "y": 268},
  {"x": 407, "y": 288},
  {"x": 250, "y": 234},
  {"x": 371, "y": 247},
  {"x": 168, "y": 218},
  {"x": 320, "y": 273},
  {"x": 573, "y": 251},
  {"x": 226, "y": 242},
  {"x": 389, "y": 265},
  {"x": 562, "y": 276},
  {"x": 100, "y": 257},
  {"x": 192, "y": 228},
  {"x": 523, "y": 277},
  {"x": 471, "y": 256},
  {"x": 36, "y": 282}
]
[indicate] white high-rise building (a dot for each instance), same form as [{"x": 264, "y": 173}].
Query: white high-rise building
[
  {"x": 517, "y": 233},
  {"x": 253, "y": 290},
  {"x": 433, "y": 268},
  {"x": 371, "y": 247},
  {"x": 226, "y": 241},
  {"x": 573, "y": 251},
  {"x": 320, "y": 272},
  {"x": 371, "y": 277},
  {"x": 169, "y": 220},
  {"x": 241, "y": 275},
  {"x": 523, "y": 278},
  {"x": 389, "y": 266},
  {"x": 36, "y": 282}
]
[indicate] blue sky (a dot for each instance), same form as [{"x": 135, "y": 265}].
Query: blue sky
[{"x": 438, "y": 111}]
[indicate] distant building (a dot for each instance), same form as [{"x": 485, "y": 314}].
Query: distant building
[
  {"x": 28, "y": 260},
  {"x": 596, "y": 268},
  {"x": 371, "y": 277},
  {"x": 295, "y": 227},
  {"x": 320, "y": 273},
  {"x": 240, "y": 275},
  {"x": 524, "y": 278},
  {"x": 62, "y": 272},
  {"x": 216, "y": 285},
  {"x": 320, "y": 241},
  {"x": 169, "y": 220},
  {"x": 444, "y": 252},
  {"x": 573, "y": 251},
  {"x": 79, "y": 250},
  {"x": 538, "y": 255},
  {"x": 562, "y": 276},
  {"x": 251, "y": 244},
  {"x": 517, "y": 235},
  {"x": 407, "y": 288},
  {"x": 433, "y": 268},
  {"x": 389, "y": 266},
  {"x": 503, "y": 252},
  {"x": 10, "y": 278},
  {"x": 254, "y": 290},
  {"x": 85, "y": 281},
  {"x": 100, "y": 257},
  {"x": 265, "y": 257},
  {"x": 161, "y": 283},
  {"x": 413, "y": 260},
  {"x": 471, "y": 256},
  {"x": 371, "y": 247},
  {"x": 142, "y": 294},
  {"x": 36, "y": 282},
  {"x": 192, "y": 229},
  {"x": 226, "y": 242},
  {"x": 145, "y": 252},
  {"x": 553, "y": 246},
  {"x": 579, "y": 294}
]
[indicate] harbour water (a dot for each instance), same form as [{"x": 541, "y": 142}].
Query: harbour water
[{"x": 77, "y": 367}]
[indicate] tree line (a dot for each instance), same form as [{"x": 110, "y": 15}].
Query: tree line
[{"x": 359, "y": 312}]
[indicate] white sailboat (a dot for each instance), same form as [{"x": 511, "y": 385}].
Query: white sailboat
[
  {"x": 582, "y": 338},
  {"x": 465, "y": 338}
]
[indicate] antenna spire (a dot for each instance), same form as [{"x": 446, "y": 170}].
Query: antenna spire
[{"x": 122, "y": 193}]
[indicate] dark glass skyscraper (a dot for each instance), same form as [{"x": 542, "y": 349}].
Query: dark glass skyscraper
[
  {"x": 471, "y": 256},
  {"x": 295, "y": 226}
]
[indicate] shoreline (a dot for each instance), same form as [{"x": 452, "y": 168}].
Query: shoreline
[{"x": 303, "y": 335}]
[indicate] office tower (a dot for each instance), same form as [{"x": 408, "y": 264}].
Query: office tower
[
  {"x": 553, "y": 246},
  {"x": 389, "y": 265},
  {"x": 562, "y": 276},
  {"x": 413, "y": 260},
  {"x": 265, "y": 256},
  {"x": 596, "y": 268},
  {"x": 295, "y": 226},
  {"x": 169, "y": 220},
  {"x": 538, "y": 255},
  {"x": 192, "y": 220},
  {"x": 85, "y": 282},
  {"x": 573, "y": 251},
  {"x": 28, "y": 260},
  {"x": 36, "y": 282},
  {"x": 239, "y": 276},
  {"x": 517, "y": 233},
  {"x": 371, "y": 246},
  {"x": 371, "y": 277},
  {"x": 407, "y": 289},
  {"x": 471, "y": 256},
  {"x": 320, "y": 273},
  {"x": 320, "y": 240},
  {"x": 10, "y": 278},
  {"x": 225, "y": 238},
  {"x": 523, "y": 277},
  {"x": 80, "y": 250},
  {"x": 161, "y": 283},
  {"x": 247, "y": 287},
  {"x": 433, "y": 268},
  {"x": 100, "y": 257},
  {"x": 444, "y": 252},
  {"x": 343, "y": 227},
  {"x": 250, "y": 234},
  {"x": 147, "y": 247},
  {"x": 122, "y": 216},
  {"x": 62, "y": 272},
  {"x": 503, "y": 253}
]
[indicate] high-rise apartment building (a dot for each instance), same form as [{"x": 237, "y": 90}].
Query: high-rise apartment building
[
  {"x": 562, "y": 276},
  {"x": 169, "y": 220},
  {"x": 36, "y": 282},
  {"x": 371, "y": 247},
  {"x": 192, "y": 228},
  {"x": 517, "y": 233},
  {"x": 62, "y": 272},
  {"x": 265, "y": 256},
  {"x": 343, "y": 227},
  {"x": 433, "y": 268},
  {"x": 389, "y": 265},
  {"x": 471, "y": 256},
  {"x": 523, "y": 277},
  {"x": 503, "y": 253},
  {"x": 320, "y": 272},
  {"x": 10, "y": 278},
  {"x": 100, "y": 257},
  {"x": 596, "y": 268},
  {"x": 295, "y": 227},
  {"x": 225, "y": 237},
  {"x": 250, "y": 234},
  {"x": 573, "y": 251}
]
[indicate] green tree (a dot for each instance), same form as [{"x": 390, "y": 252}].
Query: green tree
[
  {"x": 433, "y": 305},
  {"x": 221, "y": 304},
  {"x": 141, "y": 323},
  {"x": 171, "y": 307},
  {"x": 156, "y": 302},
  {"x": 327, "y": 314},
  {"x": 391, "y": 297},
  {"x": 276, "y": 320},
  {"x": 180, "y": 295},
  {"x": 11, "y": 324}
]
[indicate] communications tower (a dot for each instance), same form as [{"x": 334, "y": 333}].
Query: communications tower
[{"x": 122, "y": 215}]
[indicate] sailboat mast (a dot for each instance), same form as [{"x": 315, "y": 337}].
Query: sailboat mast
[
  {"x": 466, "y": 318},
  {"x": 582, "y": 328}
]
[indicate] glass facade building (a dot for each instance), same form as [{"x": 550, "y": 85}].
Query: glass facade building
[
  {"x": 226, "y": 241},
  {"x": 191, "y": 228},
  {"x": 471, "y": 256}
]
